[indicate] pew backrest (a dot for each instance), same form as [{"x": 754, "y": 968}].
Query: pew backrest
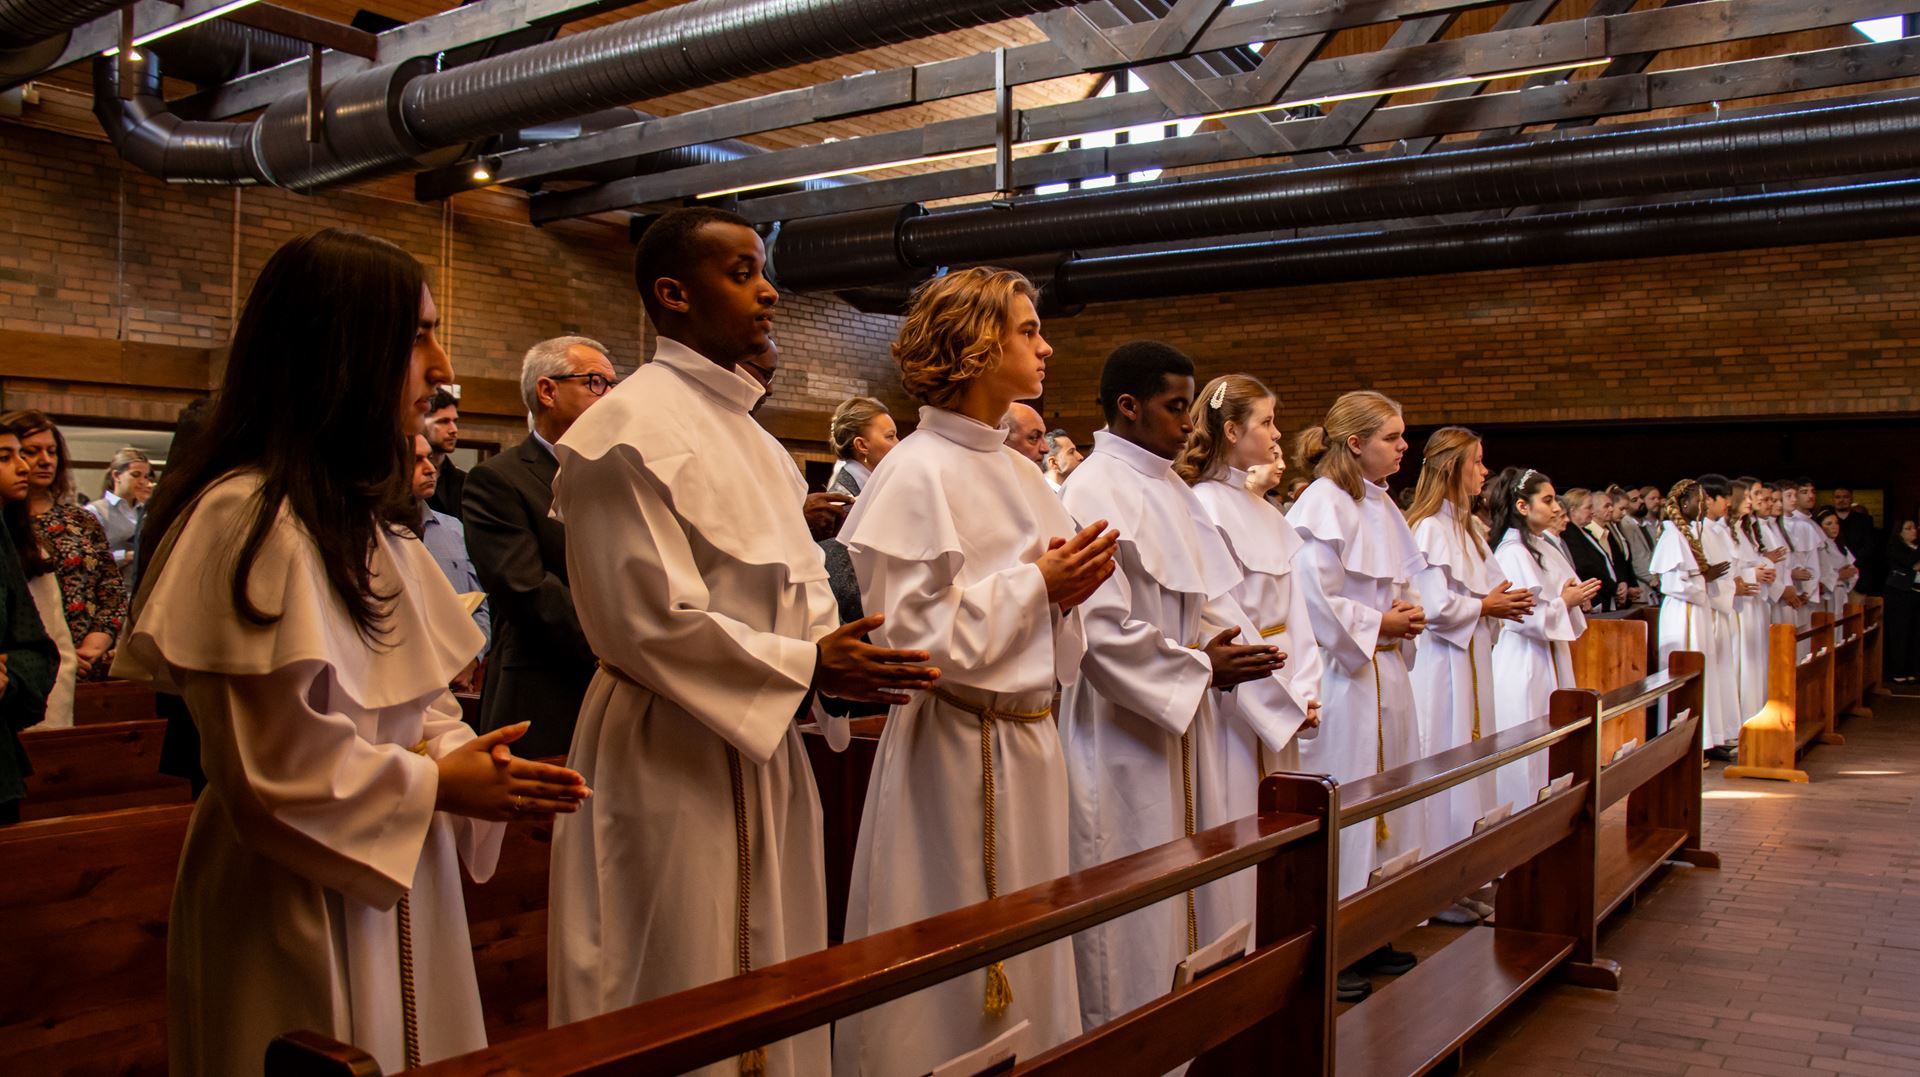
[
  {"x": 96, "y": 768},
  {"x": 95, "y": 702}
]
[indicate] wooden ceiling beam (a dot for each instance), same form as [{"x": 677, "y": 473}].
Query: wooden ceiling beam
[
  {"x": 1518, "y": 48},
  {"x": 1867, "y": 62}
]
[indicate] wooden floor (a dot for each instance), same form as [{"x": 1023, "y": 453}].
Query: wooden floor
[{"x": 1801, "y": 955}]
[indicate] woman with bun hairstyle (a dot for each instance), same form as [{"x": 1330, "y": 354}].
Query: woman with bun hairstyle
[
  {"x": 1357, "y": 562},
  {"x": 1466, "y": 597},
  {"x": 1531, "y": 659}
]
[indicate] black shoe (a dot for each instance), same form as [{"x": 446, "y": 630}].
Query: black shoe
[
  {"x": 1721, "y": 752},
  {"x": 1388, "y": 961},
  {"x": 1350, "y": 986}
]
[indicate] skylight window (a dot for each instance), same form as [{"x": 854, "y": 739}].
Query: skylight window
[{"x": 1891, "y": 28}]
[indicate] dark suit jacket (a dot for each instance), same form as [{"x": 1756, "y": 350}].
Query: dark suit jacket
[
  {"x": 540, "y": 663},
  {"x": 449, "y": 491},
  {"x": 1622, "y": 562},
  {"x": 840, "y": 574},
  {"x": 1592, "y": 563}
]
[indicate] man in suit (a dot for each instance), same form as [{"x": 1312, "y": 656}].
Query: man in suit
[
  {"x": 1859, "y": 536},
  {"x": 1590, "y": 559},
  {"x": 442, "y": 430},
  {"x": 540, "y": 663}
]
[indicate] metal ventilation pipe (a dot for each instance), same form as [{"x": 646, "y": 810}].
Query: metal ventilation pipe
[
  {"x": 704, "y": 153},
  {"x": 819, "y": 253},
  {"x": 217, "y": 51},
  {"x": 1825, "y": 215},
  {"x": 160, "y": 143},
  {"x": 24, "y": 22},
  {"x": 384, "y": 117}
]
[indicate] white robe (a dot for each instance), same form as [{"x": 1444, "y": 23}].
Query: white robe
[
  {"x": 695, "y": 577},
  {"x": 1263, "y": 545},
  {"x": 1752, "y": 615},
  {"x": 1531, "y": 660},
  {"x": 1453, "y": 682},
  {"x": 1697, "y": 616},
  {"x": 317, "y": 817},
  {"x": 1356, "y": 558},
  {"x": 1809, "y": 544},
  {"x": 944, "y": 540},
  {"x": 1143, "y": 694},
  {"x": 1773, "y": 536},
  {"x": 47, "y": 598}
]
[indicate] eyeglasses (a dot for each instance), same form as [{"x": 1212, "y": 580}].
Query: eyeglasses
[{"x": 597, "y": 384}]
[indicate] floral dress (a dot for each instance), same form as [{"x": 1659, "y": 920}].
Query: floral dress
[{"x": 91, "y": 589}]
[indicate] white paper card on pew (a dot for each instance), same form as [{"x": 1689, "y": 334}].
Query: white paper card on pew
[
  {"x": 1683, "y": 716},
  {"x": 996, "y": 1057},
  {"x": 1626, "y": 749},
  {"x": 1563, "y": 782},
  {"x": 1231, "y": 946},
  {"x": 1494, "y": 817},
  {"x": 1393, "y": 866}
]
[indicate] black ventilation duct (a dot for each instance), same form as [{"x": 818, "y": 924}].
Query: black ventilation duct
[
  {"x": 818, "y": 253},
  {"x": 1825, "y": 215},
  {"x": 34, "y": 33},
  {"x": 220, "y": 50},
  {"x": 382, "y": 118}
]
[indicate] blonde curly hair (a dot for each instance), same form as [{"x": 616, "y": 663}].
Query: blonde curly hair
[{"x": 953, "y": 330}]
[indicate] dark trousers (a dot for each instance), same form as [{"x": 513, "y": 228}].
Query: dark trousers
[{"x": 1902, "y": 655}]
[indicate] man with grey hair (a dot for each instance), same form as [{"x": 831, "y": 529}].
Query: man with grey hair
[
  {"x": 1027, "y": 433},
  {"x": 540, "y": 663},
  {"x": 1062, "y": 457}
]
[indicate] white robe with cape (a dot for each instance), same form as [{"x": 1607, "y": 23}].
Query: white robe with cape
[
  {"x": 1752, "y": 615},
  {"x": 944, "y": 539},
  {"x": 696, "y": 579},
  {"x": 1355, "y": 560},
  {"x": 1142, "y": 695},
  {"x": 1773, "y": 532},
  {"x": 318, "y": 816},
  {"x": 1697, "y": 616},
  {"x": 1453, "y": 682},
  {"x": 1531, "y": 661},
  {"x": 1263, "y": 545}
]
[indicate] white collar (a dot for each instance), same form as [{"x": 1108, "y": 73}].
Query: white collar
[
  {"x": 730, "y": 388},
  {"x": 966, "y": 432},
  {"x": 1145, "y": 461}
]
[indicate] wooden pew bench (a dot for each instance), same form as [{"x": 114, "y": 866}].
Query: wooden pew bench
[
  {"x": 1275, "y": 1003},
  {"x": 96, "y": 768},
  {"x": 1564, "y": 871},
  {"x": 83, "y": 924},
  {"x": 1800, "y": 703},
  {"x": 95, "y": 702}
]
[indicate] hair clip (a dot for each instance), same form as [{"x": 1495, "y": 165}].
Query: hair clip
[
  {"x": 1524, "y": 476},
  {"x": 1219, "y": 397}
]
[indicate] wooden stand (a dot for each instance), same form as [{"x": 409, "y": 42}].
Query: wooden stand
[
  {"x": 1610, "y": 654},
  {"x": 1799, "y": 708}
]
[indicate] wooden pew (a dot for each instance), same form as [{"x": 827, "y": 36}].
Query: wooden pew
[
  {"x": 1275, "y": 1003},
  {"x": 83, "y": 927},
  {"x": 1875, "y": 642},
  {"x": 96, "y": 768},
  {"x": 1800, "y": 703},
  {"x": 1850, "y": 688},
  {"x": 841, "y": 778},
  {"x": 95, "y": 702},
  {"x": 1617, "y": 649},
  {"x": 1567, "y": 861}
]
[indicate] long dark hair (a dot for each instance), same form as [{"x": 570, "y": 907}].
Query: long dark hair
[
  {"x": 1511, "y": 486},
  {"x": 311, "y": 401}
]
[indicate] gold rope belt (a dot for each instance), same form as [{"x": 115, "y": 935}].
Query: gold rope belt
[
  {"x": 409, "y": 1002},
  {"x": 999, "y": 994},
  {"x": 1473, "y": 670},
  {"x": 753, "y": 1063},
  {"x": 1273, "y": 630},
  {"x": 1260, "y": 748}
]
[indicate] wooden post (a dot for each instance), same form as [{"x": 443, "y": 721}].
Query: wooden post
[
  {"x": 1853, "y": 629},
  {"x": 1554, "y": 892},
  {"x": 1824, "y": 638},
  {"x": 1613, "y": 652},
  {"x": 1875, "y": 639},
  {"x": 1297, "y": 888},
  {"x": 1671, "y": 799}
]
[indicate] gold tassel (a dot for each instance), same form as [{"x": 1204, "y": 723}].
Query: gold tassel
[
  {"x": 999, "y": 991},
  {"x": 1380, "y": 832},
  {"x": 754, "y": 1063}
]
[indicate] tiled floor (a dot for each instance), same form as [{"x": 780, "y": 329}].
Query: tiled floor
[{"x": 1800, "y": 955}]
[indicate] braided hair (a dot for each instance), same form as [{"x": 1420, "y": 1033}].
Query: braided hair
[{"x": 1673, "y": 513}]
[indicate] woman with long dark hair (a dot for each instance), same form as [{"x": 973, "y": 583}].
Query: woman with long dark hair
[
  {"x": 92, "y": 590},
  {"x": 1531, "y": 659},
  {"x": 27, "y": 656},
  {"x": 1902, "y": 659},
  {"x": 313, "y": 642}
]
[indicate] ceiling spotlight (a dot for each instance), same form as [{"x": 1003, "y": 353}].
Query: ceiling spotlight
[{"x": 482, "y": 171}]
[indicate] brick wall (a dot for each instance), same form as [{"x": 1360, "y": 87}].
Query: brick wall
[
  {"x": 1826, "y": 330},
  {"x": 99, "y": 249}
]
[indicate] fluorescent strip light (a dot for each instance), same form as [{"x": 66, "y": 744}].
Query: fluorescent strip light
[
  {"x": 1328, "y": 100},
  {"x": 192, "y": 20}
]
